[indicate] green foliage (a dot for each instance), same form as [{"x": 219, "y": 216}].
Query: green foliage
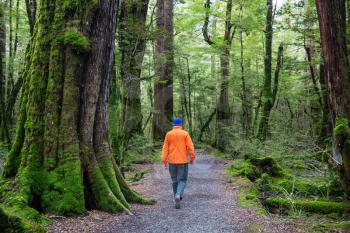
[{"x": 76, "y": 40}]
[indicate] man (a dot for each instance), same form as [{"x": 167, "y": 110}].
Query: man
[{"x": 177, "y": 145}]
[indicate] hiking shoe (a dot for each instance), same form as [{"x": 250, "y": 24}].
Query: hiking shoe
[{"x": 177, "y": 202}]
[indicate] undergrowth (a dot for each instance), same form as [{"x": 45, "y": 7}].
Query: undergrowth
[{"x": 289, "y": 176}]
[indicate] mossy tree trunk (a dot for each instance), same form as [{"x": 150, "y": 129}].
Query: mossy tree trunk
[
  {"x": 61, "y": 157},
  {"x": 269, "y": 92},
  {"x": 132, "y": 33},
  {"x": 332, "y": 22},
  {"x": 223, "y": 109},
  {"x": 164, "y": 56}
]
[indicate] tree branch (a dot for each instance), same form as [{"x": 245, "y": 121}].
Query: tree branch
[{"x": 206, "y": 24}]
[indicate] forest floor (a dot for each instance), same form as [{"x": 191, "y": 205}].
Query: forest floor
[{"x": 209, "y": 205}]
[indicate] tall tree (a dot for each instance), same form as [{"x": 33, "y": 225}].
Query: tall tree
[
  {"x": 269, "y": 92},
  {"x": 246, "y": 103},
  {"x": 132, "y": 33},
  {"x": 4, "y": 134},
  {"x": 223, "y": 112},
  {"x": 332, "y": 22},
  {"x": 164, "y": 55},
  {"x": 61, "y": 157}
]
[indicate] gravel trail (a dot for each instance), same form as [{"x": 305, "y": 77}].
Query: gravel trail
[{"x": 209, "y": 205}]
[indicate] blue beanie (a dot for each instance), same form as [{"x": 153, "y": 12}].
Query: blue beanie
[{"x": 177, "y": 121}]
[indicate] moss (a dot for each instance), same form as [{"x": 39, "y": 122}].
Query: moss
[
  {"x": 341, "y": 127},
  {"x": 104, "y": 198},
  {"x": 267, "y": 165},
  {"x": 322, "y": 207},
  {"x": 15, "y": 213},
  {"x": 243, "y": 169},
  {"x": 249, "y": 198},
  {"x": 334, "y": 226},
  {"x": 255, "y": 167},
  {"x": 76, "y": 40},
  {"x": 64, "y": 192},
  {"x": 10, "y": 223}
]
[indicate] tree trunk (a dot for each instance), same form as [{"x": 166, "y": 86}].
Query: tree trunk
[
  {"x": 267, "y": 91},
  {"x": 61, "y": 156},
  {"x": 189, "y": 117},
  {"x": 4, "y": 134},
  {"x": 163, "y": 88},
  {"x": 332, "y": 22},
  {"x": 31, "y": 6},
  {"x": 206, "y": 125},
  {"x": 132, "y": 33},
  {"x": 223, "y": 112},
  {"x": 246, "y": 104}
]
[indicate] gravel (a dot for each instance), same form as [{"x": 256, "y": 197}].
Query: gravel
[{"x": 209, "y": 205}]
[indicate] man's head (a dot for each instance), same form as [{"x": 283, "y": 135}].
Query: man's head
[{"x": 177, "y": 122}]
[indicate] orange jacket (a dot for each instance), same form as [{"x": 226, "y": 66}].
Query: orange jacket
[{"x": 177, "y": 145}]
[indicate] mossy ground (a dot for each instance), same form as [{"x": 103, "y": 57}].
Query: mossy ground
[{"x": 303, "y": 188}]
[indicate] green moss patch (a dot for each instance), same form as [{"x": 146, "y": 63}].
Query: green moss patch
[
  {"x": 76, "y": 40},
  {"x": 324, "y": 207},
  {"x": 333, "y": 226},
  {"x": 255, "y": 167}
]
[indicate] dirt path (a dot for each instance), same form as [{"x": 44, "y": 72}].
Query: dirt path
[{"x": 209, "y": 205}]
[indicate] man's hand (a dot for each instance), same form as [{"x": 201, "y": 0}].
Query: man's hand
[
  {"x": 192, "y": 162},
  {"x": 165, "y": 165}
]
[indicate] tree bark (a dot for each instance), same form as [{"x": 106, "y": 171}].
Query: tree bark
[
  {"x": 164, "y": 55},
  {"x": 132, "y": 33},
  {"x": 332, "y": 22},
  {"x": 61, "y": 157}
]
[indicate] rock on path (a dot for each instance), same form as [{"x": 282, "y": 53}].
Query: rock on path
[{"x": 209, "y": 205}]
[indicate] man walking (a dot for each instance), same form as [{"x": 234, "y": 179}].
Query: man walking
[{"x": 177, "y": 145}]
